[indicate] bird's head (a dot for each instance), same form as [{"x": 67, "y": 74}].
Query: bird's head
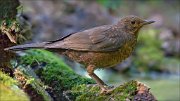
[{"x": 132, "y": 24}]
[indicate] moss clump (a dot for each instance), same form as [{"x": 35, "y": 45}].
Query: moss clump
[
  {"x": 53, "y": 72},
  {"x": 130, "y": 91},
  {"x": 35, "y": 56},
  {"x": 54, "y": 69},
  {"x": 91, "y": 93},
  {"x": 9, "y": 90}
]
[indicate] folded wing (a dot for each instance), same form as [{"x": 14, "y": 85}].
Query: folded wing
[{"x": 99, "y": 39}]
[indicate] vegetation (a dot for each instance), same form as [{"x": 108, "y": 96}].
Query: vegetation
[
  {"x": 53, "y": 69},
  {"x": 125, "y": 91},
  {"x": 9, "y": 89}
]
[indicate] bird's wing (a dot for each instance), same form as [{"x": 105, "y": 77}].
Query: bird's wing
[{"x": 99, "y": 39}]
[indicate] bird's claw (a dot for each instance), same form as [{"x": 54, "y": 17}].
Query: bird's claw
[{"x": 106, "y": 90}]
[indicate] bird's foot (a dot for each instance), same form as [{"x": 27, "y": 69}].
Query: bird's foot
[{"x": 106, "y": 90}]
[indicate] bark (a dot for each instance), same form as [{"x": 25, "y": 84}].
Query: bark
[{"x": 8, "y": 13}]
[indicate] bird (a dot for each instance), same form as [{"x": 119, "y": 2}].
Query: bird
[{"x": 99, "y": 47}]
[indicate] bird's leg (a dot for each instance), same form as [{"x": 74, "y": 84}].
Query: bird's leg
[
  {"x": 103, "y": 86},
  {"x": 90, "y": 70}
]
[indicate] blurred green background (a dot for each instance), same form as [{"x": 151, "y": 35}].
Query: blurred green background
[{"x": 156, "y": 59}]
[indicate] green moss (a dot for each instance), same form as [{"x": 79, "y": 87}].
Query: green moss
[
  {"x": 54, "y": 70},
  {"x": 43, "y": 56},
  {"x": 89, "y": 93},
  {"x": 9, "y": 89},
  {"x": 6, "y": 80}
]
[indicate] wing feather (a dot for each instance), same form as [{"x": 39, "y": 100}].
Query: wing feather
[{"x": 99, "y": 39}]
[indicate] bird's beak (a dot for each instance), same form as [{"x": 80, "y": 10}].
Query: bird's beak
[{"x": 147, "y": 22}]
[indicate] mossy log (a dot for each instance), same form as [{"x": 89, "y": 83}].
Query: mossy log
[{"x": 65, "y": 85}]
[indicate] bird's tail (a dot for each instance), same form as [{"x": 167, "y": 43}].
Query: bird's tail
[{"x": 27, "y": 46}]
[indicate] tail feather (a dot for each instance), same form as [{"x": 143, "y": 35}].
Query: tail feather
[{"x": 27, "y": 46}]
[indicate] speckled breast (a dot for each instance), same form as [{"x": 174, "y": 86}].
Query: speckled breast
[{"x": 102, "y": 59}]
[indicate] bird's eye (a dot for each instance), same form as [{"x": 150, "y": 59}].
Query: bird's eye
[{"x": 133, "y": 22}]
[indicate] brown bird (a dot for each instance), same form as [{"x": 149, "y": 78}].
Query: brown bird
[{"x": 98, "y": 47}]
